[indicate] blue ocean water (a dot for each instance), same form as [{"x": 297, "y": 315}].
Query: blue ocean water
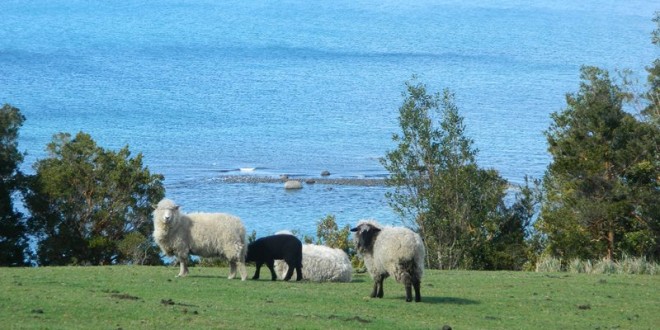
[{"x": 203, "y": 88}]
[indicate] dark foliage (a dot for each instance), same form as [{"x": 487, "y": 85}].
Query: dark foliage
[
  {"x": 13, "y": 239},
  {"x": 92, "y": 206}
]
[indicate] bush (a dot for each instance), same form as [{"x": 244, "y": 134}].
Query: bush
[
  {"x": 576, "y": 266},
  {"x": 627, "y": 265},
  {"x": 548, "y": 265},
  {"x": 139, "y": 250},
  {"x": 329, "y": 234},
  {"x": 605, "y": 266}
]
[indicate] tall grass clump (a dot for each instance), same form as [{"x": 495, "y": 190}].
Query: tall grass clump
[
  {"x": 548, "y": 264},
  {"x": 626, "y": 265},
  {"x": 580, "y": 266},
  {"x": 630, "y": 265},
  {"x": 605, "y": 266},
  {"x": 576, "y": 266}
]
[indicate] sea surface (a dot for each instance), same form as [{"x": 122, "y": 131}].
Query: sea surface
[{"x": 206, "y": 89}]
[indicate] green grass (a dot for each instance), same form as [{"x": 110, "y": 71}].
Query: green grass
[{"x": 133, "y": 297}]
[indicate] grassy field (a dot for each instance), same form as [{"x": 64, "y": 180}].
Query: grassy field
[{"x": 132, "y": 297}]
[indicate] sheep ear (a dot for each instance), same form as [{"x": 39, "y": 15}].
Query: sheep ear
[
  {"x": 176, "y": 207},
  {"x": 355, "y": 229}
]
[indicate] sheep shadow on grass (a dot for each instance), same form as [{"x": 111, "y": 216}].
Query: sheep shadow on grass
[
  {"x": 448, "y": 301},
  {"x": 208, "y": 276}
]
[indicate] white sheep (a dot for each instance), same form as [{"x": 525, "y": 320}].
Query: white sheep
[
  {"x": 395, "y": 251},
  {"x": 201, "y": 234},
  {"x": 320, "y": 263}
]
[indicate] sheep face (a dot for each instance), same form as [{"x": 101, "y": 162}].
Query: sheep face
[
  {"x": 365, "y": 234},
  {"x": 166, "y": 212},
  {"x": 167, "y": 215}
]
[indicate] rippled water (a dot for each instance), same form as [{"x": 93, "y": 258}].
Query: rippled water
[{"x": 205, "y": 88}]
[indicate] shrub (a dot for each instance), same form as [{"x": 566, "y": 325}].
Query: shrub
[
  {"x": 576, "y": 266},
  {"x": 605, "y": 266},
  {"x": 548, "y": 265}
]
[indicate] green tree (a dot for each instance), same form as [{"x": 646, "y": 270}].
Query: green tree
[
  {"x": 652, "y": 111},
  {"x": 439, "y": 190},
  {"x": 602, "y": 185},
  {"x": 13, "y": 239},
  {"x": 514, "y": 243},
  {"x": 328, "y": 233},
  {"x": 89, "y": 205}
]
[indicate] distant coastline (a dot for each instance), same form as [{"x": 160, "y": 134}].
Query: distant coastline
[{"x": 364, "y": 182}]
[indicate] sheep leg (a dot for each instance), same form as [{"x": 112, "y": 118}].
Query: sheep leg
[
  {"x": 289, "y": 272},
  {"x": 183, "y": 268},
  {"x": 242, "y": 270},
  {"x": 271, "y": 267},
  {"x": 378, "y": 287},
  {"x": 408, "y": 292},
  {"x": 416, "y": 284},
  {"x": 299, "y": 273},
  {"x": 408, "y": 284},
  {"x": 232, "y": 269},
  {"x": 374, "y": 292},
  {"x": 256, "y": 273}
]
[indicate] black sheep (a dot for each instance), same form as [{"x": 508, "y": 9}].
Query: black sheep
[{"x": 277, "y": 247}]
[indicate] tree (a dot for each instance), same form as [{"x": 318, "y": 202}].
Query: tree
[
  {"x": 439, "y": 190},
  {"x": 514, "y": 244},
  {"x": 92, "y": 206},
  {"x": 601, "y": 187},
  {"x": 647, "y": 174},
  {"x": 13, "y": 240},
  {"x": 652, "y": 111}
]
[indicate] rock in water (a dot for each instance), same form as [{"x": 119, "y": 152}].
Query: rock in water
[{"x": 293, "y": 184}]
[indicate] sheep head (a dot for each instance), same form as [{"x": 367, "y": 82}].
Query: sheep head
[
  {"x": 365, "y": 234},
  {"x": 166, "y": 212}
]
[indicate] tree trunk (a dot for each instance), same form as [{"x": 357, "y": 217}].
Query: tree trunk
[{"x": 610, "y": 245}]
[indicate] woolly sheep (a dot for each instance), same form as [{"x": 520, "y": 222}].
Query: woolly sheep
[
  {"x": 276, "y": 247},
  {"x": 320, "y": 264},
  {"x": 395, "y": 251},
  {"x": 202, "y": 234}
]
